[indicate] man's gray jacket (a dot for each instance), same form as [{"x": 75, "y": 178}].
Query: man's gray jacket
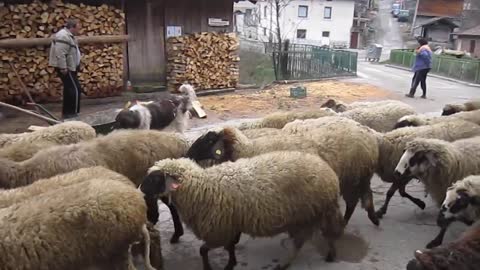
[{"x": 64, "y": 52}]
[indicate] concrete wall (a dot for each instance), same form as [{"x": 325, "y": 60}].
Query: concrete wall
[{"x": 463, "y": 44}]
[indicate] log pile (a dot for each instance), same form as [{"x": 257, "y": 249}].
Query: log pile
[
  {"x": 102, "y": 63},
  {"x": 205, "y": 60}
]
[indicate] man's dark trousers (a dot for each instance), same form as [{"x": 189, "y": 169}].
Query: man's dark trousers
[{"x": 71, "y": 93}]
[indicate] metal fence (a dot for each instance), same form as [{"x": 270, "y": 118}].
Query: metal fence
[
  {"x": 456, "y": 68},
  {"x": 304, "y": 62}
]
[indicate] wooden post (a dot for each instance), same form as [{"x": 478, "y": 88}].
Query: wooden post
[{"x": 414, "y": 18}]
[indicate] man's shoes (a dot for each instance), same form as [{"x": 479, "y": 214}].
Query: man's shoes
[
  {"x": 409, "y": 95},
  {"x": 424, "y": 96}
]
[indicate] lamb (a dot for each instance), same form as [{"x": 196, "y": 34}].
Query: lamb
[
  {"x": 339, "y": 106},
  {"x": 128, "y": 152},
  {"x": 262, "y": 196},
  {"x": 170, "y": 114},
  {"x": 450, "y": 109},
  {"x": 462, "y": 254},
  {"x": 349, "y": 148},
  {"x": 280, "y": 119},
  {"x": 88, "y": 223},
  {"x": 61, "y": 134},
  {"x": 438, "y": 164},
  {"x": 422, "y": 120},
  {"x": 392, "y": 146}
]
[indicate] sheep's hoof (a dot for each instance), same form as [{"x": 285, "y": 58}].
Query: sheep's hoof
[
  {"x": 330, "y": 258},
  {"x": 175, "y": 239},
  {"x": 282, "y": 267},
  {"x": 380, "y": 213},
  {"x": 375, "y": 220},
  {"x": 434, "y": 243},
  {"x": 420, "y": 204}
]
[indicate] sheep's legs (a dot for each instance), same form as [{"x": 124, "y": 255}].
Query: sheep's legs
[
  {"x": 404, "y": 194},
  {"x": 299, "y": 239},
  {"x": 391, "y": 191},
  {"x": 232, "y": 259},
  {"x": 367, "y": 204},
  {"x": 445, "y": 223},
  {"x": 204, "y": 249},
  {"x": 350, "y": 208},
  {"x": 177, "y": 223},
  {"x": 146, "y": 252}
]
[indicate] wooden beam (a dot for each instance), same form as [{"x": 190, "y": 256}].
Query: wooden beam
[{"x": 33, "y": 42}]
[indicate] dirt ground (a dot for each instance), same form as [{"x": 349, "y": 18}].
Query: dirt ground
[{"x": 239, "y": 104}]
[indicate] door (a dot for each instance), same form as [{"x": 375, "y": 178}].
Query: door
[
  {"x": 146, "y": 47},
  {"x": 472, "y": 46},
  {"x": 354, "y": 40}
]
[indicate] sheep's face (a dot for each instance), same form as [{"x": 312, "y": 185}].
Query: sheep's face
[
  {"x": 127, "y": 119},
  {"x": 209, "y": 146},
  {"x": 159, "y": 183},
  {"x": 449, "y": 110},
  {"x": 414, "y": 163},
  {"x": 331, "y": 103},
  {"x": 456, "y": 202},
  {"x": 404, "y": 123}
]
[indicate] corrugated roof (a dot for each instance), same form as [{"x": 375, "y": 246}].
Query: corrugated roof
[
  {"x": 440, "y": 8},
  {"x": 445, "y": 20},
  {"x": 475, "y": 31}
]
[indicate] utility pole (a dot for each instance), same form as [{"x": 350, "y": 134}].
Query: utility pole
[{"x": 414, "y": 18}]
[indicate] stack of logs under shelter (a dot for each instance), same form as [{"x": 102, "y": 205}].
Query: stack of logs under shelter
[
  {"x": 206, "y": 60},
  {"x": 24, "y": 42}
]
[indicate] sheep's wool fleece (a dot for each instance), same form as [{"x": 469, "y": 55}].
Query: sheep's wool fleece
[
  {"x": 262, "y": 196},
  {"x": 280, "y": 119},
  {"x": 71, "y": 227},
  {"x": 128, "y": 152},
  {"x": 455, "y": 160},
  {"x": 381, "y": 118},
  {"x": 393, "y": 143},
  {"x": 261, "y": 132},
  {"x": 421, "y": 120},
  {"x": 18, "y": 195},
  {"x": 64, "y": 133}
]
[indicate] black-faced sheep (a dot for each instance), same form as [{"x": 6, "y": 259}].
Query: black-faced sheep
[
  {"x": 348, "y": 147},
  {"x": 393, "y": 144},
  {"x": 462, "y": 203},
  {"x": 450, "y": 109},
  {"x": 280, "y": 119},
  {"x": 463, "y": 254},
  {"x": 422, "y": 120},
  {"x": 93, "y": 222},
  {"x": 128, "y": 152},
  {"x": 61, "y": 134},
  {"x": 262, "y": 196}
]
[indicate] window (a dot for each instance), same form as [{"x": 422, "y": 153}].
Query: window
[
  {"x": 264, "y": 31},
  {"x": 265, "y": 11},
  {"x": 327, "y": 13},
  {"x": 325, "y": 34},
  {"x": 301, "y": 33},
  {"x": 472, "y": 46},
  {"x": 303, "y": 11}
]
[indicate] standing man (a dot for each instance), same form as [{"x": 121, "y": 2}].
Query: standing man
[
  {"x": 423, "y": 64},
  {"x": 65, "y": 57}
]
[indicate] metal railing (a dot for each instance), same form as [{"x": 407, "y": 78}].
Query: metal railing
[
  {"x": 456, "y": 68},
  {"x": 304, "y": 62}
]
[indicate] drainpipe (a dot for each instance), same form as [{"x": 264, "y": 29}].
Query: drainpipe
[{"x": 414, "y": 18}]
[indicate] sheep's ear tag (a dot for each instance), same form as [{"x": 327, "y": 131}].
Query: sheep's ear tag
[{"x": 218, "y": 152}]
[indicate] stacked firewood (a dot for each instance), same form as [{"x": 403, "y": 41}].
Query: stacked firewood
[
  {"x": 206, "y": 60},
  {"x": 102, "y": 63}
]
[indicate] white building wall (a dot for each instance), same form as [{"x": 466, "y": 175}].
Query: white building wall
[{"x": 315, "y": 24}]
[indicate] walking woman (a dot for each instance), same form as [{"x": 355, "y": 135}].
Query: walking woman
[
  {"x": 65, "y": 57},
  {"x": 423, "y": 64}
]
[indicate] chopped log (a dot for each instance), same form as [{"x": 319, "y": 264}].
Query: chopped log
[
  {"x": 34, "y": 42},
  {"x": 197, "y": 107}
]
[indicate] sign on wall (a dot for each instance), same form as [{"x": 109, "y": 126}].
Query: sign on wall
[
  {"x": 217, "y": 22},
  {"x": 174, "y": 31}
]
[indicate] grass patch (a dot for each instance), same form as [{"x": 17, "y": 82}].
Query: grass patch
[{"x": 256, "y": 68}]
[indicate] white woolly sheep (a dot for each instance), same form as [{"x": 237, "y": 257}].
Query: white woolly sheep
[
  {"x": 128, "y": 152},
  {"x": 438, "y": 164},
  {"x": 393, "y": 144},
  {"x": 261, "y": 132},
  {"x": 348, "y": 147},
  {"x": 65, "y": 133},
  {"x": 339, "y": 106},
  {"x": 280, "y": 119},
  {"x": 455, "y": 108},
  {"x": 93, "y": 222},
  {"x": 422, "y": 120},
  {"x": 262, "y": 196}
]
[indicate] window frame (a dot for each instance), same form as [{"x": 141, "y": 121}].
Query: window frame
[
  {"x": 306, "y": 11},
  {"x": 323, "y": 32},
  {"x": 324, "y": 13},
  {"x": 305, "y": 33}
]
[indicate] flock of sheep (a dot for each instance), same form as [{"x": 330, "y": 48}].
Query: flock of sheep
[{"x": 72, "y": 200}]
